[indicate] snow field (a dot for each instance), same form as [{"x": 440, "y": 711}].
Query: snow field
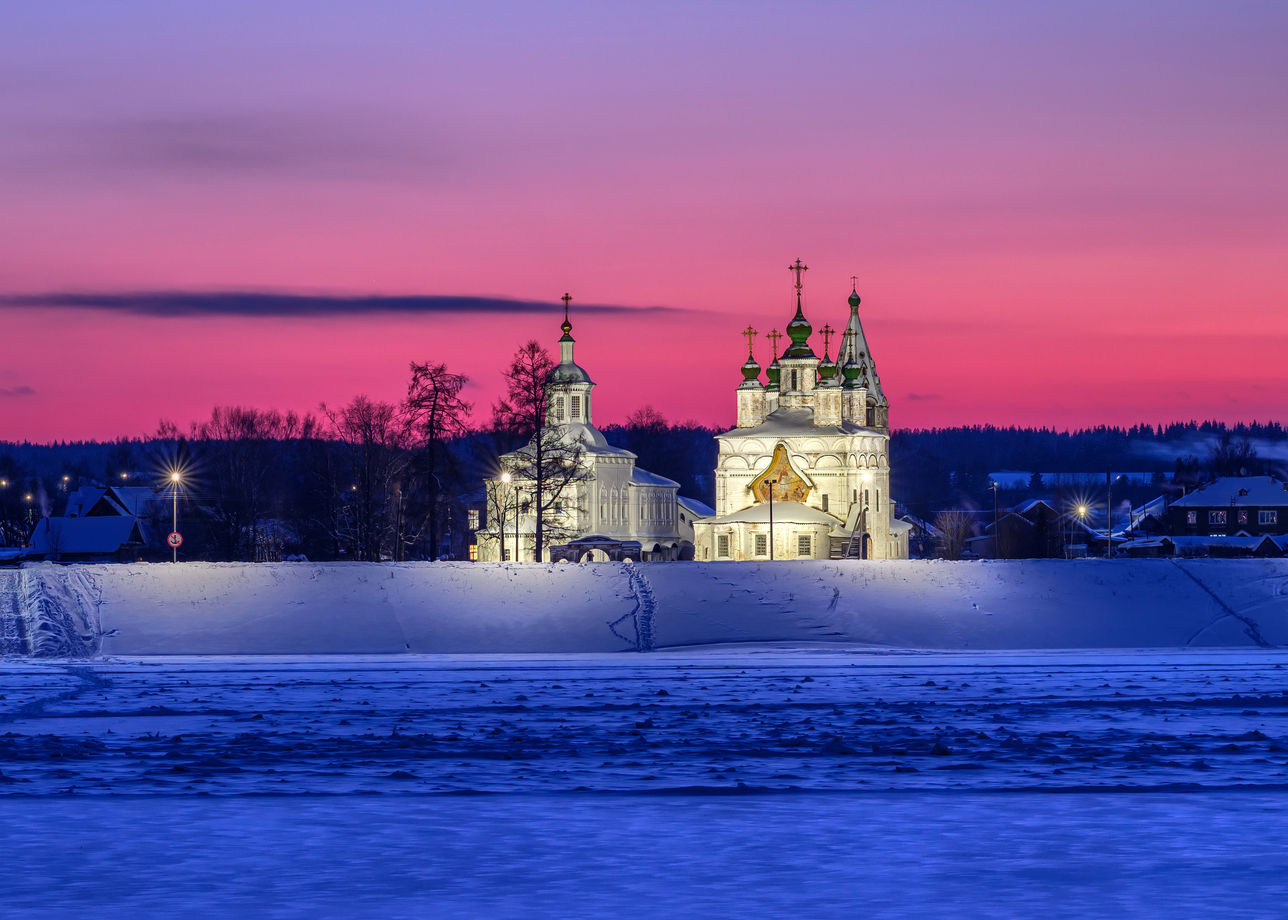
[{"x": 361, "y": 608}]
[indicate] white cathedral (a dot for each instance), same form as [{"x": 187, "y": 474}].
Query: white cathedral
[
  {"x": 611, "y": 511},
  {"x": 806, "y": 472}
]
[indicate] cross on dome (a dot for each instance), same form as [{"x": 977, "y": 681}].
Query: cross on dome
[
  {"x": 773, "y": 337},
  {"x": 798, "y": 268}
]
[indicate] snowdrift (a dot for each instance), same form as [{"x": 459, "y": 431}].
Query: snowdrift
[{"x": 339, "y": 608}]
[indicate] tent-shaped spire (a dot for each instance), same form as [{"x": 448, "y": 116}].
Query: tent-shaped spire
[{"x": 855, "y": 350}]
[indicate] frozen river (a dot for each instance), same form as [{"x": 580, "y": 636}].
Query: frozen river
[{"x": 755, "y": 782}]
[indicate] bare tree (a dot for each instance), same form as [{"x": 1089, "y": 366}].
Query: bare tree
[
  {"x": 551, "y": 460},
  {"x": 436, "y": 414},
  {"x": 240, "y": 449},
  {"x": 1231, "y": 456},
  {"x": 370, "y": 481},
  {"x": 954, "y": 528}
]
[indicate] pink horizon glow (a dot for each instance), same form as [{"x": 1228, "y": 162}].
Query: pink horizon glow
[{"x": 1059, "y": 217}]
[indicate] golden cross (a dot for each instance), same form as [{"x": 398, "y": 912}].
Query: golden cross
[
  {"x": 798, "y": 268},
  {"x": 566, "y": 299},
  {"x": 749, "y": 333},
  {"x": 827, "y": 332},
  {"x": 774, "y": 337}
]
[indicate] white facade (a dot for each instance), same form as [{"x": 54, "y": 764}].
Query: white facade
[
  {"x": 806, "y": 472},
  {"x": 612, "y": 506}
]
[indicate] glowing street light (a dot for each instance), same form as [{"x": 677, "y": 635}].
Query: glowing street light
[{"x": 175, "y": 539}]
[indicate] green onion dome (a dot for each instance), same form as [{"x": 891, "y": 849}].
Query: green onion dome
[
  {"x": 772, "y": 373},
  {"x": 854, "y": 300},
  {"x": 798, "y": 330},
  {"x": 826, "y": 368},
  {"x": 750, "y": 370},
  {"x": 851, "y": 371}
]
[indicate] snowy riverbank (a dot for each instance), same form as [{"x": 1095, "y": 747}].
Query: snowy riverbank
[{"x": 355, "y": 608}]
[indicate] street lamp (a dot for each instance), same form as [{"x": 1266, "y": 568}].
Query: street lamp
[
  {"x": 866, "y": 479},
  {"x": 507, "y": 478},
  {"x": 175, "y": 479},
  {"x": 997, "y": 531}
]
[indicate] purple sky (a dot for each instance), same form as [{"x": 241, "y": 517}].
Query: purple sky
[{"x": 1059, "y": 214}]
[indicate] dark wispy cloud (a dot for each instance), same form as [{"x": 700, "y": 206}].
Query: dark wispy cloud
[
  {"x": 275, "y": 303},
  {"x": 240, "y": 146},
  {"x": 20, "y": 390}
]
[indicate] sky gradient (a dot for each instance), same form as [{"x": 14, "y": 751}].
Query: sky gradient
[{"x": 1061, "y": 215}]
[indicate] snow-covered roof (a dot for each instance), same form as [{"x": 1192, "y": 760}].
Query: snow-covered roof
[
  {"x": 695, "y": 507},
  {"x": 784, "y": 513},
  {"x": 1026, "y": 507},
  {"x": 918, "y": 522},
  {"x": 590, "y": 438},
  {"x": 136, "y": 499},
  {"x": 784, "y": 422},
  {"x": 99, "y": 535},
  {"x": 1253, "y": 491},
  {"x": 1248, "y": 543},
  {"x": 644, "y": 478},
  {"x": 81, "y": 500}
]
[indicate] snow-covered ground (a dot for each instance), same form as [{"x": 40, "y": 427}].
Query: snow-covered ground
[
  {"x": 762, "y": 782},
  {"x": 777, "y": 755},
  {"x": 356, "y": 608}
]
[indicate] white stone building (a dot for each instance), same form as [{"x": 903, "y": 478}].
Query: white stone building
[
  {"x": 613, "y": 511},
  {"x": 806, "y": 472}
]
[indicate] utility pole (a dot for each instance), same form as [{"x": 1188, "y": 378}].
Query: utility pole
[
  {"x": 997, "y": 531},
  {"x": 1109, "y": 510}
]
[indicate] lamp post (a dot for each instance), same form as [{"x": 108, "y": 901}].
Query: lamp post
[
  {"x": 175, "y": 479},
  {"x": 1109, "y": 514},
  {"x": 507, "y": 479},
  {"x": 997, "y": 531},
  {"x": 770, "y": 483},
  {"x": 866, "y": 479},
  {"x": 1082, "y": 517}
]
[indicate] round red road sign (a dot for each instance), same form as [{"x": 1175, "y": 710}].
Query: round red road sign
[{"x": 175, "y": 539}]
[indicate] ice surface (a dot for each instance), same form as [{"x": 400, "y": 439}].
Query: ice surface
[
  {"x": 888, "y": 855},
  {"x": 766, "y": 782}
]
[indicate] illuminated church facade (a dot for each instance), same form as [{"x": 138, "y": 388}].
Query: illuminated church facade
[
  {"x": 805, "y": 473},
  {"x": 611, "y": 510}
]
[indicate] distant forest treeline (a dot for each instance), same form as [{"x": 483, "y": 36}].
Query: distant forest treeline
[{"x": 304, "y": 483}]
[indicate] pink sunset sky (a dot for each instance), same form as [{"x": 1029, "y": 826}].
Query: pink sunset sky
[{"x": 1059, "y": 214}]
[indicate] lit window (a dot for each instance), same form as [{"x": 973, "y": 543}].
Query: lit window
[
  {"x": 474, "y": 552},
  {"x": 1267, "y": 517},
  {"x": 804, "y": 545},
  {"x": 1216, "y": 517},
  {"x": 474, "y": 519},
  {"x": 762, "y": 545},
  {"x": 722, "y": 546},
  {"x": 1191, "y": 518},
  {"x": 1243, "y": 516}
]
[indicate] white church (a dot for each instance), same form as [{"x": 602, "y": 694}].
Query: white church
[
  {"x": 805, "y": 474},
  {"x": 612, "y": 511}
]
